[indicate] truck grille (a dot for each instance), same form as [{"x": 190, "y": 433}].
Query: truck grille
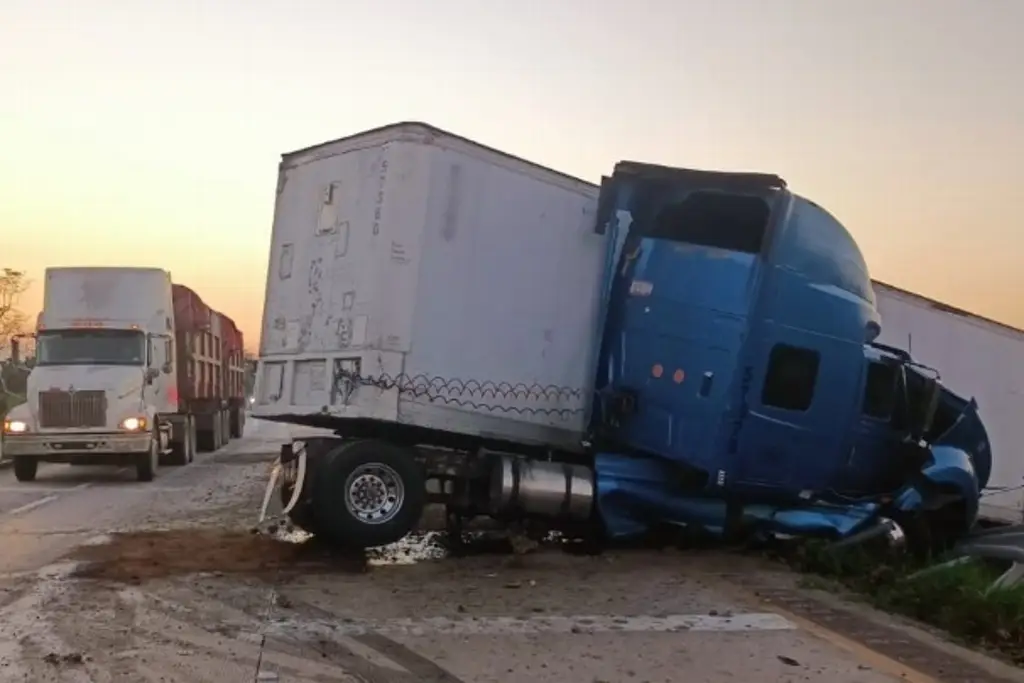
[{"x": 72, "y": 409}]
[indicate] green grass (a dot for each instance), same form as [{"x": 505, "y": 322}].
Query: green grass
[{"x": 955, "y": 599}]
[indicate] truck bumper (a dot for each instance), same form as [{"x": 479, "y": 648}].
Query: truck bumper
[{"x": 70, "y": 445}]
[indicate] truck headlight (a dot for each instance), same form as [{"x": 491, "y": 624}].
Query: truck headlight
[
  {"x": 133, "y": 424},
  {"x": 15, "y": 427}
]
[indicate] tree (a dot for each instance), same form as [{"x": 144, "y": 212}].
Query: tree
[{"x": 13, "y": 284}]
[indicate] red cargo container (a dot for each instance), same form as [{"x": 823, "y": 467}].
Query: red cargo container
[{"x": 211, "y": 369}]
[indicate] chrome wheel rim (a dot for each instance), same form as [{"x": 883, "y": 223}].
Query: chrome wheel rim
[{"x": 374, "y": 493}]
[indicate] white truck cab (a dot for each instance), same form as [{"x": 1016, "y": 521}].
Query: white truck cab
[{"x": 104, "y": 375}]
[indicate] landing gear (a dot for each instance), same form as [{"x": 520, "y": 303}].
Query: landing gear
[{"x": 453, "y": 529}]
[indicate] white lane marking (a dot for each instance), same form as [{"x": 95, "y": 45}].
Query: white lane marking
[
  {"x": 499, "y": 626},
  {"x": 45, "y": 500},
  {"x": 37, "y": 489},
  {"x": 33, "y": 505}
]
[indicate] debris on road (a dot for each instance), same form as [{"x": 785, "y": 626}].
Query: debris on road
[
  {"x": 138, "y": 556},
  {"x": 70, "y": 658}
]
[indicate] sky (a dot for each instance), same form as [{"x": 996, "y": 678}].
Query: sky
[{"x": 148, "y": 133}]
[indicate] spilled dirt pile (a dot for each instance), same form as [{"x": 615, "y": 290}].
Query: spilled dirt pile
[{"x": 139, "y": 556}]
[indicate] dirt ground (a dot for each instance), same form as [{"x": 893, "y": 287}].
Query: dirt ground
[{"x": 184, "y": 590}]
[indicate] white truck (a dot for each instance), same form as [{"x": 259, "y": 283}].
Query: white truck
[{"x": 129, "y": 369}]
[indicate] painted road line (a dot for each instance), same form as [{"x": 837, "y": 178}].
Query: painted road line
[
  {"x": 45, "y": 500},
  {"x": 499, "y": 626},
  {"x": 775, "y": 600},
  {"x": 33, "y": 505},
  {"x": 28, "y": 488}
]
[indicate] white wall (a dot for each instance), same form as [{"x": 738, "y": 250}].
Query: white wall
[{"x": 974, "y": 357}]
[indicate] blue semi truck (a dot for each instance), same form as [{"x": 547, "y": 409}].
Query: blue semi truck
[{"x": 722, "y": 333}]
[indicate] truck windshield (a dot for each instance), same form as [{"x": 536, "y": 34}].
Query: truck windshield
[{"x": 91, "y": 347}]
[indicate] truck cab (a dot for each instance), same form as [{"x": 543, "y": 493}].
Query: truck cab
[
  {"x": 104, "y": 373},
  {"x": 737, "y": 353}
]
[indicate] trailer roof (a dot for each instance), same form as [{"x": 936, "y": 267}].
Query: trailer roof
[
  {"x": 399, "y": 125},
  {"x": 434, "y": 130},
  {"x": 946, "y": 308}
]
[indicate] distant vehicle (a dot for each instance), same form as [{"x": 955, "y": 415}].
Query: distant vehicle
[
  {"x": 674, "y": 347},
  {"x": 130, "y": 370}
]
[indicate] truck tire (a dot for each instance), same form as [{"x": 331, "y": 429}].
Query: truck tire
[
  {"x": 193, "y": 440},
  {"x": 183, "y": 452},
  {"x": 237, "y": 419},
  {"x": 209, "y": 439},
  {"x": 146, "y": 463},
  {"x": 367, "y": 494},
  {"x": 25, "y": 468},
  {"x": 218, "y": 430}
]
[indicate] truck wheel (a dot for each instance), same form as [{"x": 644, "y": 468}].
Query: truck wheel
[
  {"x": 191, "y": 440},
  {"x": 218, "y": 430},
  {"x": 146, "y": 463},
  {"x": 25, "y": 468},
  {"x": 367, "y": 494},
  {"x": 237, "y": 418},
  {"x": 183, "y": 452}
]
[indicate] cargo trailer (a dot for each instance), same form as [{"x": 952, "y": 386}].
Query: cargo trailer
[
  {"x": 459, "y": 278},
  {"x": 210, "y": 371}
]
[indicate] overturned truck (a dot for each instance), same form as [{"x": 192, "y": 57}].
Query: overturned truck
[{"x": 673, "y": 346}]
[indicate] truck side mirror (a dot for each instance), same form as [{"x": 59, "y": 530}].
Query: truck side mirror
[
  {"x": 166, "y": 368},
  {"x": 15, "y": 350}
]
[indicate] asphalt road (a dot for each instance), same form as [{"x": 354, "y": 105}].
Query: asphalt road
[{"x": 549, "y": 617}]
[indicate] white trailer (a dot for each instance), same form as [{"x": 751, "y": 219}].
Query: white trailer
[
  {"x": 976, "y": 357},
  {"x": 390, "y": 244}
]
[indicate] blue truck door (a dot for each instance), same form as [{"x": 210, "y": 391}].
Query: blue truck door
[
  {"x": 873, "y": 465},
  {"x": 803, "y": 394},
  {"x": 683, "y": 323}
]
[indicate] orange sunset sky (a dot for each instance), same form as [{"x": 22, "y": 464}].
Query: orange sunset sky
[{"x": 148, "y": 133}]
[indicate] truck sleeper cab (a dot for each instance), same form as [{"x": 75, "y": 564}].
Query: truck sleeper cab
[{"x": 731, "y": 369}]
